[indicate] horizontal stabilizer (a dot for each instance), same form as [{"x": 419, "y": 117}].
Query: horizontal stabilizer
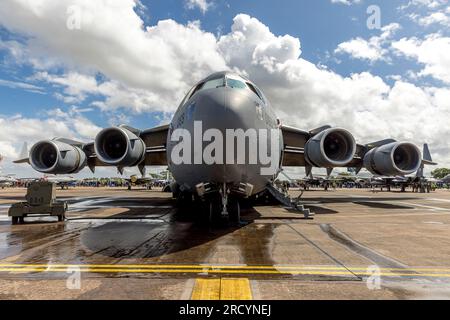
[
  {"x": 24, "y": 156},
  {"x": 427, "y": 156}
]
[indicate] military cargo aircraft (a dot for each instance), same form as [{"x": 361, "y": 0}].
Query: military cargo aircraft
[{"x": 224, "y": 144}]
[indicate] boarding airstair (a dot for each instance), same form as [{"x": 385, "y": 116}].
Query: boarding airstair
[{"x": 284, "y": 198}]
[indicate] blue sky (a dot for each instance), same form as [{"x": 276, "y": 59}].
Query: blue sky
[
  {"x": 320, "y": 26},
  {"x": 36, "y": 62}
]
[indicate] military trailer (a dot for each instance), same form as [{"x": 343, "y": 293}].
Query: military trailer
[{"x": 40, "y": 200}]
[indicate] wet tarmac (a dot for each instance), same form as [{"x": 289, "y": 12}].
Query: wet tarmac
[{"x": 136, "y": 244}]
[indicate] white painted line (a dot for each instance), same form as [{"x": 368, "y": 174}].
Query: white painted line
[
  {"x": 187, "y": 292},
  {"x": 424, "y": 206},
  {"x": 438, "y": 200}
]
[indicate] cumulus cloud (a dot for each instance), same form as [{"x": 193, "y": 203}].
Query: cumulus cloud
[
  {"x": 432, "y": 52},
  {"x": 17, "y": 129},
  {"x": 140, "y": 68},
  {"x": 111, "y": 39},
  {"x": 203, "y": 5},
  {"x": 307, "y": 96},
  {"x": 428, "y": 12},
  {"x": 439, "y": 17},
  {"x": 374, "y": 49}
]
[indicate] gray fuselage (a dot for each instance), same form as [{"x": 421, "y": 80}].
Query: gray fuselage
[{"x": 234, "y": 104}]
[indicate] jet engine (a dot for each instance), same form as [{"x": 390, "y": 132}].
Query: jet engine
[
  {"x": 119, "y": 146},
  {"x": 56, "y": 157},
  {"x": 330, "y": 148},
  {"x": 397, "y": 158}
]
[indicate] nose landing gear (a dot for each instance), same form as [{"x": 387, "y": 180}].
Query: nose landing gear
[
  {"x": 222, "y": 204},
  {"x": 231, "y": 208}
]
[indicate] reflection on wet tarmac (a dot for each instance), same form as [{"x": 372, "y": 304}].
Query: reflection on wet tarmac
[{"x": 119, "y": 235}]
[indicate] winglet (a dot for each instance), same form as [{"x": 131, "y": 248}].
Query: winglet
[
  {"x": 427, "y": 156},
  {"x": 24, "y": 156}
]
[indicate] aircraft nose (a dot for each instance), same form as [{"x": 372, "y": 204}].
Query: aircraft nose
[
  {"x": 221, "y": 109},
  {"x": 225, "y": 108}
]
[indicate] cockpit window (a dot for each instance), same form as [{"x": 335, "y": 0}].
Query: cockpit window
[
  {"x": 255, "y": 91},
  {"x": 197, "y": 88},
  {"x": 210, "y": 84},
  {"x": 215, "y": 83},
  {"x": 236, "y": 84},
  {"x": 240, "y": 83}
]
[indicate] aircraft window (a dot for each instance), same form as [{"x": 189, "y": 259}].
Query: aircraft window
[
  {"x": 196, "y": 89},
  {"x": 254, "y": 90},
  {"x": 188, "y": 95},
  {"x": 260, "y": 93},
  {"x": 211, "y": 84},
  {"x": 236, "y": 84}
]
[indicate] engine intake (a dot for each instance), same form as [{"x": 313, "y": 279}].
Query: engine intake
[
  {"x": 398, "y": 158},
  {"x": 330, "y": 148},
  {"x": 56, "y": 157},
  {"x": 119, "y": 147}
]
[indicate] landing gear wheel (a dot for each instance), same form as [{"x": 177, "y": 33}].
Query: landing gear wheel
[
  {"x": 184, "y": 200},
  {"x": 61, "y": 217},
  {"x": 21, "y": 220},
  {"x": 214, "y": 206},
  {"x": 234, "y": 211},
  {"x": 15, "y": 220}
]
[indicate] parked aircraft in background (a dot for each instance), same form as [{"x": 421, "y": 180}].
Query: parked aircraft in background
[
  {"x": 64, "y": 182},
  {"x": 6, "y": 180},
  {"x": 445, "y": 180}
]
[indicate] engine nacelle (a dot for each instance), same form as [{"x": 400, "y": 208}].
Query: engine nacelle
[
  {"x": 120, "y": 147},
  {"x": 397, "y": 158},
  {"x": 56, "y": 157},
  {"x": 330, "y": 148}
]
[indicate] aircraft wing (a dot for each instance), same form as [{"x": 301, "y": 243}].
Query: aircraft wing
[{"x": 294, "y": 146}]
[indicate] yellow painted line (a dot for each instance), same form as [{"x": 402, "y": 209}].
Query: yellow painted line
[
  {"x": 214, "y": 267},
  {"x": 235, "y": 289},
  {"x": 222, "y": 289},
  {"x": 206, "y": 289}
]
